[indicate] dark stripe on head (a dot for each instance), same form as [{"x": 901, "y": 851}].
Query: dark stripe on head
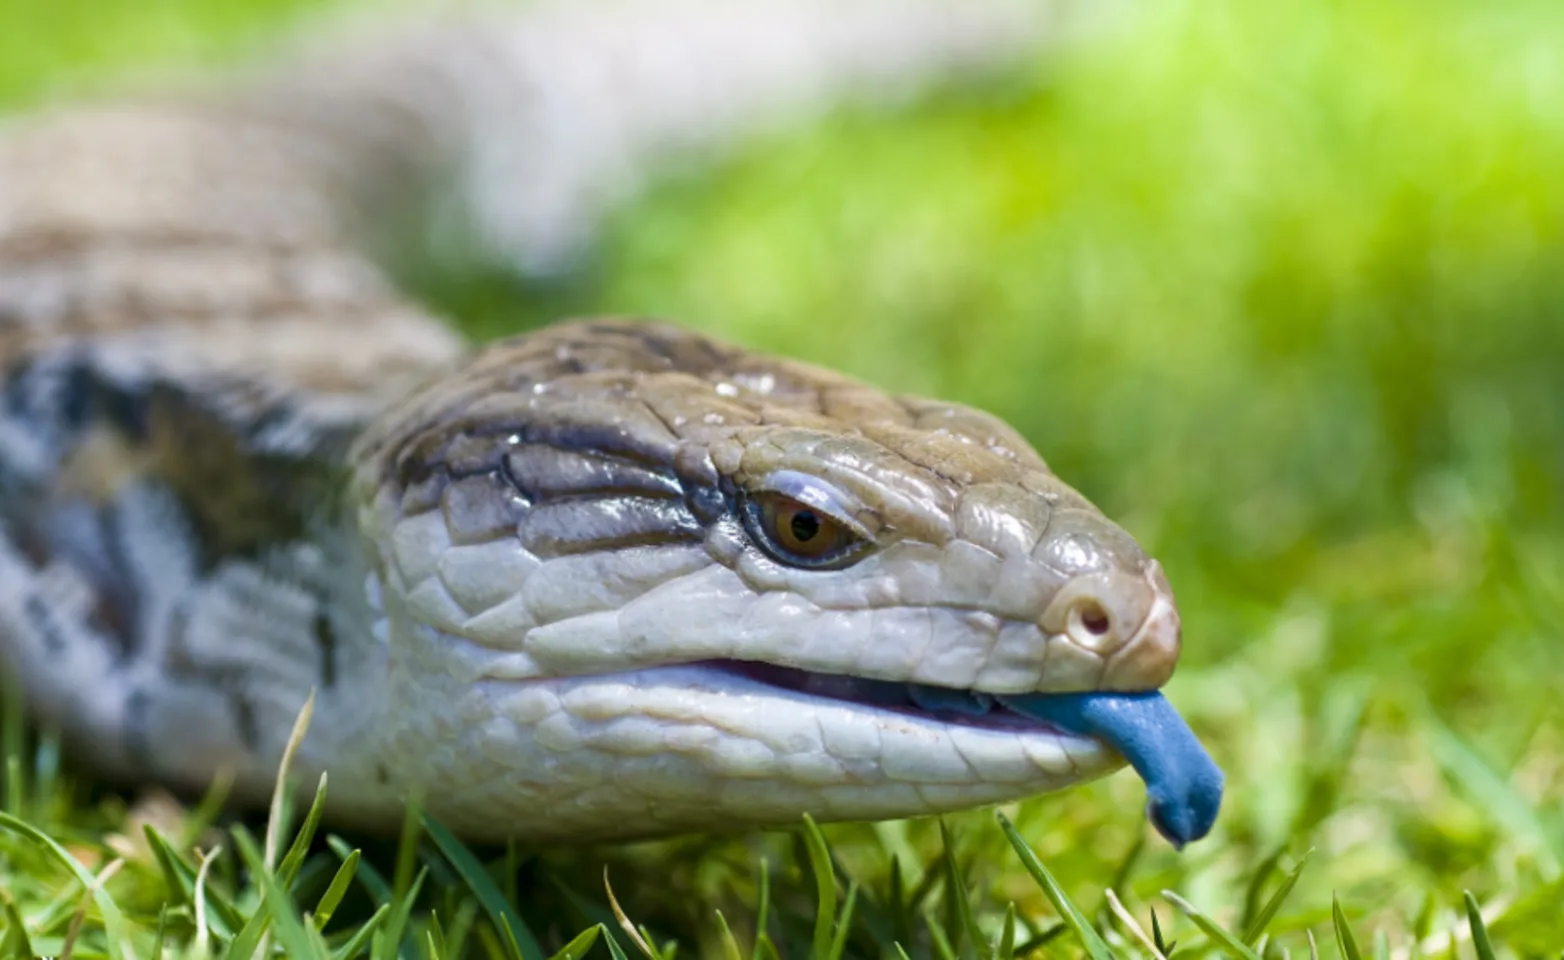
[
  {"x": 541, "y": 471},
  {"x": 588, "y": 524}
]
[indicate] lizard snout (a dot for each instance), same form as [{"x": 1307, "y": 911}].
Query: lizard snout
[{"x": 1128, "y": 620}]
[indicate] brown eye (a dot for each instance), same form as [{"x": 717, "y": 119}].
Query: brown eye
[
  {"x": 797, "y": 528},
  {"x": 798, "y": 534}
]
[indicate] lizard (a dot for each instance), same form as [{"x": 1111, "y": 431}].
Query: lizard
[{"x": 606, "y": 580}]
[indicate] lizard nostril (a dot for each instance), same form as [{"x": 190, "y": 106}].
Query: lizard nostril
[
  {"x": 1098, "y": 613},
  {"x": 1093, "y": 618}
]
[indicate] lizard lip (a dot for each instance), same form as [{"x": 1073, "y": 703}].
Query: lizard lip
[{"x": 946, "y": 704}]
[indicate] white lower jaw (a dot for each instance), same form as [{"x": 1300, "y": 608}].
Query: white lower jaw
[{"x": 689, "y": 748}]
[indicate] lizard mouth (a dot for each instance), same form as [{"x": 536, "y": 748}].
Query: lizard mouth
[
  {"x": 971, "y": 708},
  {"x": 1183, "y": 784}
]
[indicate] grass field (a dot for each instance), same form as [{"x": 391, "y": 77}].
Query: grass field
[{"x": 1281, "y": 286}]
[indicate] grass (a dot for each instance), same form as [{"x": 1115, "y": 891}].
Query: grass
[
  {"x": 1276, "y": 284},
  {"x": 222, "y": 896}
]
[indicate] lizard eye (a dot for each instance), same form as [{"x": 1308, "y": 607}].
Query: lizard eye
[{"x": 807, "y": 526}]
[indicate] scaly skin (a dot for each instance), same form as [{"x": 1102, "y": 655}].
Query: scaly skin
[{"x": 539, "y": 583}]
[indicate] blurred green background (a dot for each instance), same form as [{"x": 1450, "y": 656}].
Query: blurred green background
[{"x": 1281, "y": 287}]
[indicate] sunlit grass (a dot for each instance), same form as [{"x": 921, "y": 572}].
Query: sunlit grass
[
  {"x": 172, "y": 885},
  {"x": 1277, "y": 284}
]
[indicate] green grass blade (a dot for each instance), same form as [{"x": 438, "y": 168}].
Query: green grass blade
[
  {"x": 1480, "y": 940},
  {"x": 615, "y": 951},
  {"x": 510, "y": 939},
  {"x": 763, "y": 912},
  {"x": 729, "y": 943},
  {"x": 510, "y": 867},
  {"x": 461, "y": 925},
  {"x": 1494, "y": 793},
  {"x": 354, "y": 946},
  {"x": 326, "y": 907},
  {"x": 113, "y": 919},
  {"x": 1038, "y": 941},
  {"x": 594, "y": 912},
  {"x": 318, "y": 945},
  {"x": 902, "y": 918},
  {"x": 1423, "y": 923},
  {"x": 15, "y": 943},
  {"x": 245, "y": 942},
  {"x": 483, "y": 887},
  {"x": 67, "y": 949},
  {"x": 407, "y": 847},
  {"x": 1348, "y": 708},
  {"x": 825, "y": 886},
  {"x": 1255, "y": 887},
  {"x": 1227, "y": 942},
  {"x": 374, "y": 884},
  {"x": 1132, "y": 927},
  {"x": 180, "y": 878},
  {"x": 314, "y": 873},
  {"x": 642, "y": 942},
  {"x": 926, "y": 885},
  {"x": 1121, "y": 873},
  {"x": 58, "y": 909},
  {"x": 280, "y": 792},
  {"x": 156, "y": 952},
  {"x": 1005, "y": 946},
  {"x": 437, "y": 931},
  {"x": 960, "y": 898},
  {"x": 1345, "y": 941},
  {"x": 1530, "y": 922},
  {"x": 1158, "y": 942},
  {"x": 1255, "y": 929},
  {"x": 1068, "y": 911},
  {"x": 201, "y": 947},
  {"x": 435, "y": 934},
  {"x": 845, "y": 924},
  {"x": 288, "y": 870},
  {"x": 390, "y": 943},
  {"x": 938, "y": 939},
  {"x": 285, "y": 920}
]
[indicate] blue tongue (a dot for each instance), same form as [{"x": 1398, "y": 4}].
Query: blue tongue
[{"x": 1183, "y": 784}]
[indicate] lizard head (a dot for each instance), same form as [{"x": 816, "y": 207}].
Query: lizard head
[{"x": 649, "y": 583}]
